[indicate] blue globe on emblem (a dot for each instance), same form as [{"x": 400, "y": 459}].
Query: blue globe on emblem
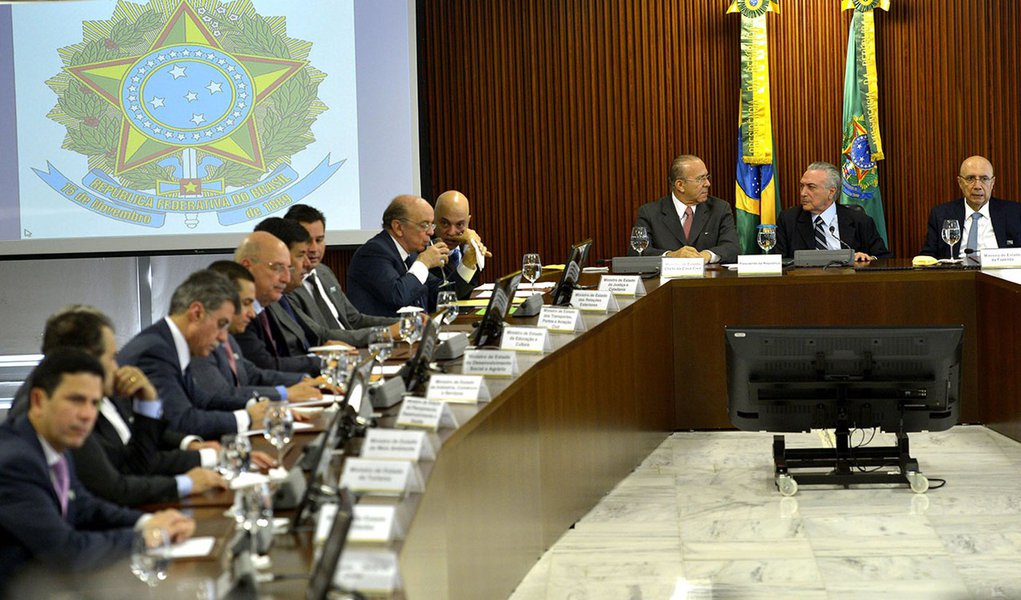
[
  {"x": 187, "y": 95},
  {"x": 861, "y": 156}
]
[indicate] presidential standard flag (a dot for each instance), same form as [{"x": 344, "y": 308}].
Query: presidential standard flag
[
  {"x": 755, "y": 193},
  {"x": 862, "y": 142}
]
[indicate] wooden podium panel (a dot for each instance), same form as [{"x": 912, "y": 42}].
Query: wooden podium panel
[{"x": 703, "y": 307}]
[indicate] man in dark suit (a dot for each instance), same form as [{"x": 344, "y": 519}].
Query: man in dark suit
[
  {"x": 227, "y": 372},
  {"x": 819, "y": 223},
  {"x": 269, "y": 261},
  {"x": 201, "y": 309},
  {"x": 688, "y": 222},
  {"x": 391, "y": 270},
  {"x": 998, "y": 221},
  {"x": 130, "y": 457},
  {"x": 48, "y": 516},
  {"x": 320, "y": 295},
  {"x": 453, "y": 217}
]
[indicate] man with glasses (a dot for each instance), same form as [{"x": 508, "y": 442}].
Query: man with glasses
[
  {"x": 688, "y": 222},
  {"x": 391, "y": 270},
  {"x": 820, "y": 223},
  {"x": 986, "y": 222}
]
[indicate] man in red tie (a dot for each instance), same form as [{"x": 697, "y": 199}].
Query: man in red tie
[
  {"x": 688, "y": 222},
  {"x": 48, "y": 517}
]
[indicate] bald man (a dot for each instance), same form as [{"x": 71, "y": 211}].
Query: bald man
[
  {"x": 269, "y": 261},
  {"x": 391, "y": 270},
  {"x": 986, "y": 222},
  {"x": 453, "y": 216}
]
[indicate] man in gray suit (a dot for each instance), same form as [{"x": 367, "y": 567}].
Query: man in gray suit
[
  {"x": 320, "y": 295},
  {"x": 688, "y": 222}
]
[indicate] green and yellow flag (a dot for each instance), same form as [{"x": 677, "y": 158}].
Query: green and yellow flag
[
  {"x": 756, "y": 199},
  {"x": 862, "y": 143}
]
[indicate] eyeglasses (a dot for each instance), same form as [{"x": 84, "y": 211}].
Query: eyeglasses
[
  {"x": 278, "y": 268},
  {"x": 424, "y": 225},
  {"x": 971, "y": 179},
  {"x": 700, "y": 178}
]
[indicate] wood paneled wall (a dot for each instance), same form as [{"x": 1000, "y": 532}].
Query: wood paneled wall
[{"x": 558, "y": 118}]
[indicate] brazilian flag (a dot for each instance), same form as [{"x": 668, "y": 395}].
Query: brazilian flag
[{"x": 755, "y": 199}]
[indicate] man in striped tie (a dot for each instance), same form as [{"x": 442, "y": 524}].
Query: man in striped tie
[{"x": 820, "y": 223}]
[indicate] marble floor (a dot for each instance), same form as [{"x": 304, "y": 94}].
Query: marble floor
[{"x": 701, "y": 519}]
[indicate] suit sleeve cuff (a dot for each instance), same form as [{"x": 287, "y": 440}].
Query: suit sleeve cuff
[
  {"x": 465, "y": 273},
  {"x": 188, "y": 439},
  {"x": 244, "y": 421},
  {"x": 713, "y": 257},
  {"x": 283, "y": 392},
  {"x": 183, "y": 485},
  {"x": 148, "y": 408},
  {"x": 209, "y": 458},
  {"x": 420, "y": 271}
]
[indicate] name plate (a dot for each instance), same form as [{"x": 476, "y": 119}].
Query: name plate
[
  {"x": 425, "y": 414},
  {"x": 558, "y": 318},
  {"x": 594, "y": 301},
  {"x": 490, "y": 363},
  {"x": 525, "y": 339},
  {"x": 374, "y": 523},
  {"x": 396, "y": 444},
  {"x": 760, "y": 264},
  {"x": 1000, "y": 258},
  {"x": 674, "y": 268},
  {"x": 467, "y": 389},
  {"x": 622, "y": 285},
  {"x": 366, "y": 570},
  {"x": 373, "y": 476}
]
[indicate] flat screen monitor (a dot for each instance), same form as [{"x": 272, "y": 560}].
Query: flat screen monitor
[
  {"x": 491, "y": 326},
  {"x": 572, "y": 270},
  {"x": 791, "y": 379},
  {"x": 416, "y": 371},
  {"x": 323, "y": 572},
  {"x": 334, "y": 436}
]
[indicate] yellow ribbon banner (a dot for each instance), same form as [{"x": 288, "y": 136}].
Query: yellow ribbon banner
[{"x": 756, "y": 129}]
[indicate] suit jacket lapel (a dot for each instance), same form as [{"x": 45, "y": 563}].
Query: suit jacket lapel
[
  {"x": 698, "y": 223},
  {"x": 670, "y": 218},
  {"x": 286, "y": 322},
  {"x": 999, "y": 226},
  {"x": 805, "y": 230}
]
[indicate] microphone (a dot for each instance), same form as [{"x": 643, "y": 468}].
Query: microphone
[{"x": 843, "y": 244}]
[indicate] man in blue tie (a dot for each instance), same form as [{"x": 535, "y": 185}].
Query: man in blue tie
[
  {"x": 819, "y": 223},
  {"x": 48, "y": 517},
  {"x": 453, "y": 218},
  {"x": 391, "y": 270},
  {"x": 985, "y": 221}
]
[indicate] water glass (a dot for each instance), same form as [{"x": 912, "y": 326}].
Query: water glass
[
  {"x": 951, "y": 233},
  {"x": 278, "y": 426},
  {"x": 639, "y": 238},
  {"x": 150, "y": 555},
  {"x": 411, "y": 327},
  {"x": 531, "y": 267},
  {"x": 446, "y": 302},
  {"x": 765, "y": 237},
  {"x": 381, "y": 343}
]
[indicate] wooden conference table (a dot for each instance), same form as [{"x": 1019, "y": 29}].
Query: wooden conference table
[{"x": 522, "y": 468}]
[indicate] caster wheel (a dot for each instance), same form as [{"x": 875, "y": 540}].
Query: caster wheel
[
  {"x": 919, "y": 483},
  {"x": 786, "y": 485}
]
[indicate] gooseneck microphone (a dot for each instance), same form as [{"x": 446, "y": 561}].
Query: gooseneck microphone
[{"x": 843, "y": 244}]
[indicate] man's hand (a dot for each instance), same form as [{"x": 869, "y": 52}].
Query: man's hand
[
  {"x": 469, "y": 259},
  {"x": 205, "y": 479},
  {"x": 434, "y": 256},
  {"x": 306, "y": 389},
  {"x": 257, "y": 412},
  {"x": 130, "y": 382},
  {"x": 262, "y": 460},
  {"x": 178, "y": 526},
  {"x": 200, "y": 445},
  {"x": 690, "y": 252},
  {"x": 862, "y": 257}
]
